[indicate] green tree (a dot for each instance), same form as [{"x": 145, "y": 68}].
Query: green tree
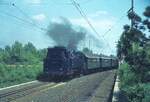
[
  {"x": 7, "y": 54},
  {"x": 147, "y": 15},
  {"x": 19, "y": 54},
  {"x": 16, "y": 52},
  {"x": 31, "y": 54},
  {"x": 1, "y": 55},
  {"x": 134, "y": 48},
  {"x": 42, "y": 54},
  {"x": 30, "y": 48}
]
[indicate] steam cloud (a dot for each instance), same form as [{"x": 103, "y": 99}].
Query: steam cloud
[{"x": 65, "y": 34}]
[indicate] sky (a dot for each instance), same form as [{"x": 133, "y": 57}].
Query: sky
[{"x": 23, "y": 20}]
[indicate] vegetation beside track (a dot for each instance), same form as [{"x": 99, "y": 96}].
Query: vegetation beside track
[
  {"x": 20, "y": 63},
  {"x": 132, "y": 87},
  {"x": 16, "y": 74},
  {"x": 134, "y": 51}
]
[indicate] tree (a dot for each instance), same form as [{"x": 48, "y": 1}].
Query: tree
[
  {"x": 16, "y": 52},
  {"x": 19, "y": 54},
  {"x": 134, "y": 48},
  {"x": 1, "y": 55},
  {"x": 31, "y": 54},
  {"x": 6, "y": 54},
  {"x": 42, "y": 54},
  {"x": 30, "y": 48},
  {"x": 133, "y": 45},
  {"x": 147, "y": 14}
]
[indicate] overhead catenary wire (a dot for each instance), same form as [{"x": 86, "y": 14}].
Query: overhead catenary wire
[
  {"x": 86, "y": 1},
  {"x": 77, "y": 6},
  {"x": 27, "y": 16},
  {"x": 22, "y": 20},
  {"x": 20, "y": 10},
  {"x": 28, "y": 19},
  {"x": 110, "y": 29}
]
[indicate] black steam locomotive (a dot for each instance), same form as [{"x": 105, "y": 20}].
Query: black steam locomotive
[{"x": 64, "y": 62}]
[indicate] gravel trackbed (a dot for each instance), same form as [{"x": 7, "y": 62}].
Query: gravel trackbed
[{"x": 87, "y": 88}]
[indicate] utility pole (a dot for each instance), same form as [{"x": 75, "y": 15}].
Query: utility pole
[{"x": 132, "y": 11}]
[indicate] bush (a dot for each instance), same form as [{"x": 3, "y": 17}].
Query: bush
[
  {"x": 15, "y": 74},
  {"x": 131, "y": 86},
  {"x": 126, "y": 76},
  {"x": 138, "y": 92}
]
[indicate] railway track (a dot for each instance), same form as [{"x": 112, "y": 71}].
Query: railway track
[{"x": 15, "y": 94}]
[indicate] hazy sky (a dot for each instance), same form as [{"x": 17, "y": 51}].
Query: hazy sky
[{"x": 17, "y": 22}]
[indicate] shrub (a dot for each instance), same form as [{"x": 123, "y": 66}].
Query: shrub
[
  {"x": 131, "y": 86},
  {"x": 15, "y": 74},
  {"x": 126, "y": 76}
]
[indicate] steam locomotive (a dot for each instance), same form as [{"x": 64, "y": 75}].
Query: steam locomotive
[{"x": 61, "y": 61}]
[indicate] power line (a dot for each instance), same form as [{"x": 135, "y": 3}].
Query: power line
[
  {"x": 29, "y": 21},
  {"x": 24, "y": 24},
  {"x": 22, "y": 20},
  {"x": 84, "y": 16},
  {"x": 77, "y": 6},
  {"x": 82, "y": 13},
  {"x": 113, "y": 26},
  {"x": 20, "y": 10},
  {"x": 86, "y": 1},
  {"x": 27, "y": 16}
]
